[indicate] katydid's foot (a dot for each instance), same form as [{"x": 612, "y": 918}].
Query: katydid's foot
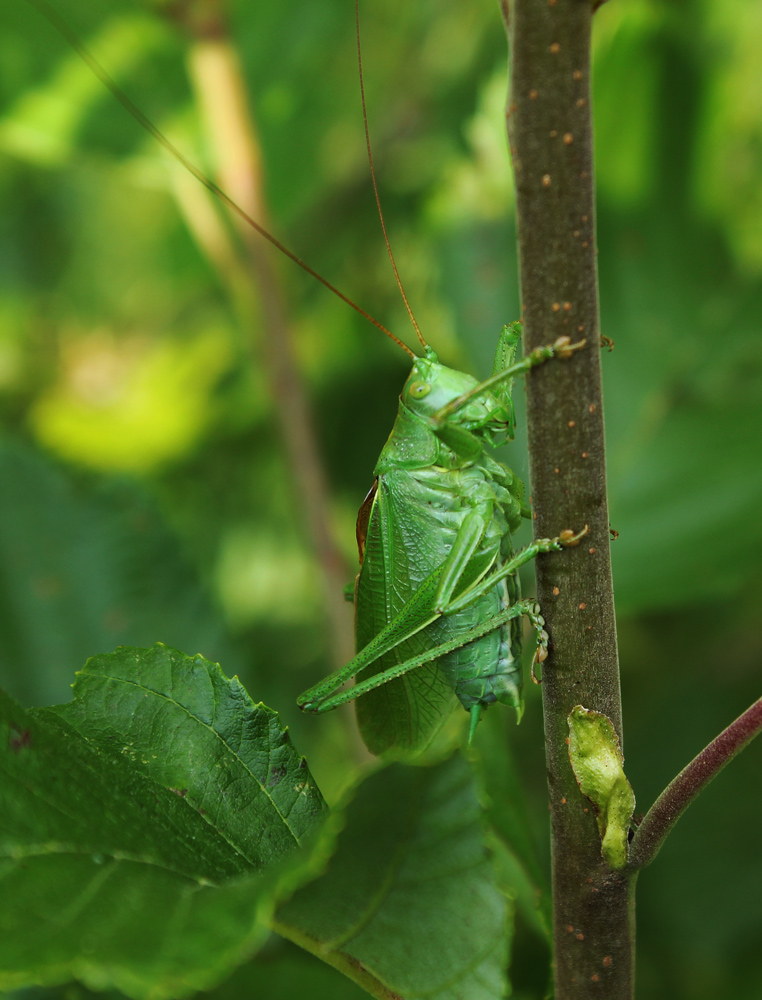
[
  {"x": 564, "y": 348},
  {"x": 568, "y": 539},
  {"x": 309, "y": 702}
]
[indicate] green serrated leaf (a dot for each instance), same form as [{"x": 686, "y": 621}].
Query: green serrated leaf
[
  {"x": 141, "y": 827},
  {"x": 409, "y": 904},
  {"x": 597, "y": 761},
  {"x": 187, "y": 727}
]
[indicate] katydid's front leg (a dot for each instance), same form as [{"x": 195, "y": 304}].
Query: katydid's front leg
[
  {"x": 560, "y": 348},
  {"x": 505, "y": 356}
]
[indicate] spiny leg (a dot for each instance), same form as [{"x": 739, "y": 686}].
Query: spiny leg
[
  {"x": 417, "y": 613},
  {"x": 505, "y": 356},
  {"x": 560, "y": 348},
  {"x": 525, "y": 607},
  {"x": 507, "y": 345},
  {"x": 414, "y": 616}
]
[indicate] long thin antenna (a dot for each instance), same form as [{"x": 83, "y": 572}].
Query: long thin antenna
[
  {"x": 375, "y": 185},
  {"x": 84, "y": 53}
]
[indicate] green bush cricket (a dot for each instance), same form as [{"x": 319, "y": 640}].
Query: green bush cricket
[
  {"x": 438, "y": 612},
  {"x": 437, "y": 607}
]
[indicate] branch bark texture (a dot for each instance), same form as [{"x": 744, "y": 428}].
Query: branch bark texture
[{"x": 551, "y": 139}]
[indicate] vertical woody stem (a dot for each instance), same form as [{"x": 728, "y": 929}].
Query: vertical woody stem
[{"x": 550, "y": 131}]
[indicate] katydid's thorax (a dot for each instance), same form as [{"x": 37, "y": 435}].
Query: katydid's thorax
[{"x": 426, "y": 487}]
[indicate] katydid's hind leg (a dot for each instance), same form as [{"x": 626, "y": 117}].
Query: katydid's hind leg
[
  {"x": 414, "y": 616},
  {"x": 329, "y": 702}
]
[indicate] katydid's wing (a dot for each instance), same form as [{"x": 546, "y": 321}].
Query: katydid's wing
[{"x": 404, "y": 715}]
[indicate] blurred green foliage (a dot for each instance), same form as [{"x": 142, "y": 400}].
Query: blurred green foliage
[{"x": 143, "y": 491}]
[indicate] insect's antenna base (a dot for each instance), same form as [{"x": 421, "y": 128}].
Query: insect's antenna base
[
  {"x": 87, "y": 57},
  {"x": 413, "y": 320}
]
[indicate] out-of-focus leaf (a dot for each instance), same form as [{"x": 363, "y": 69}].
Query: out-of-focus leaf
[
  {"x": 42, "y": 126},
  {"x": 523, "y": 876},
  {"x": 83, "y": 568},
  {"x": 409, "y": 903},
  {"x": 684, "y": 419},
  {"x": 138, "y": 823},
  {"x": 730, "y": 130},
  {"x": 625, "y": 158},
  {"x": 131, "y": 406}
]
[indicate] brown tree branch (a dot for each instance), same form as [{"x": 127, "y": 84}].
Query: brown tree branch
[{"x": 551, "y": 138}]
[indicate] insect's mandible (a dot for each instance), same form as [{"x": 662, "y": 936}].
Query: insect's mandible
[{"x": 438, "y": 611}]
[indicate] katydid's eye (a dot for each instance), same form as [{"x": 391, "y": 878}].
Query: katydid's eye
[{"x": 419, "y": 389}]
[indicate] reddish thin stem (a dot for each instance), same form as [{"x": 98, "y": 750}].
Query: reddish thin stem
[{"x": 683, "y": 789}]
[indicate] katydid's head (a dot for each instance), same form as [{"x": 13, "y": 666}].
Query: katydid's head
[
  {"x": 430, "y": 386},
  {"x": 436, "y": 393}
]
